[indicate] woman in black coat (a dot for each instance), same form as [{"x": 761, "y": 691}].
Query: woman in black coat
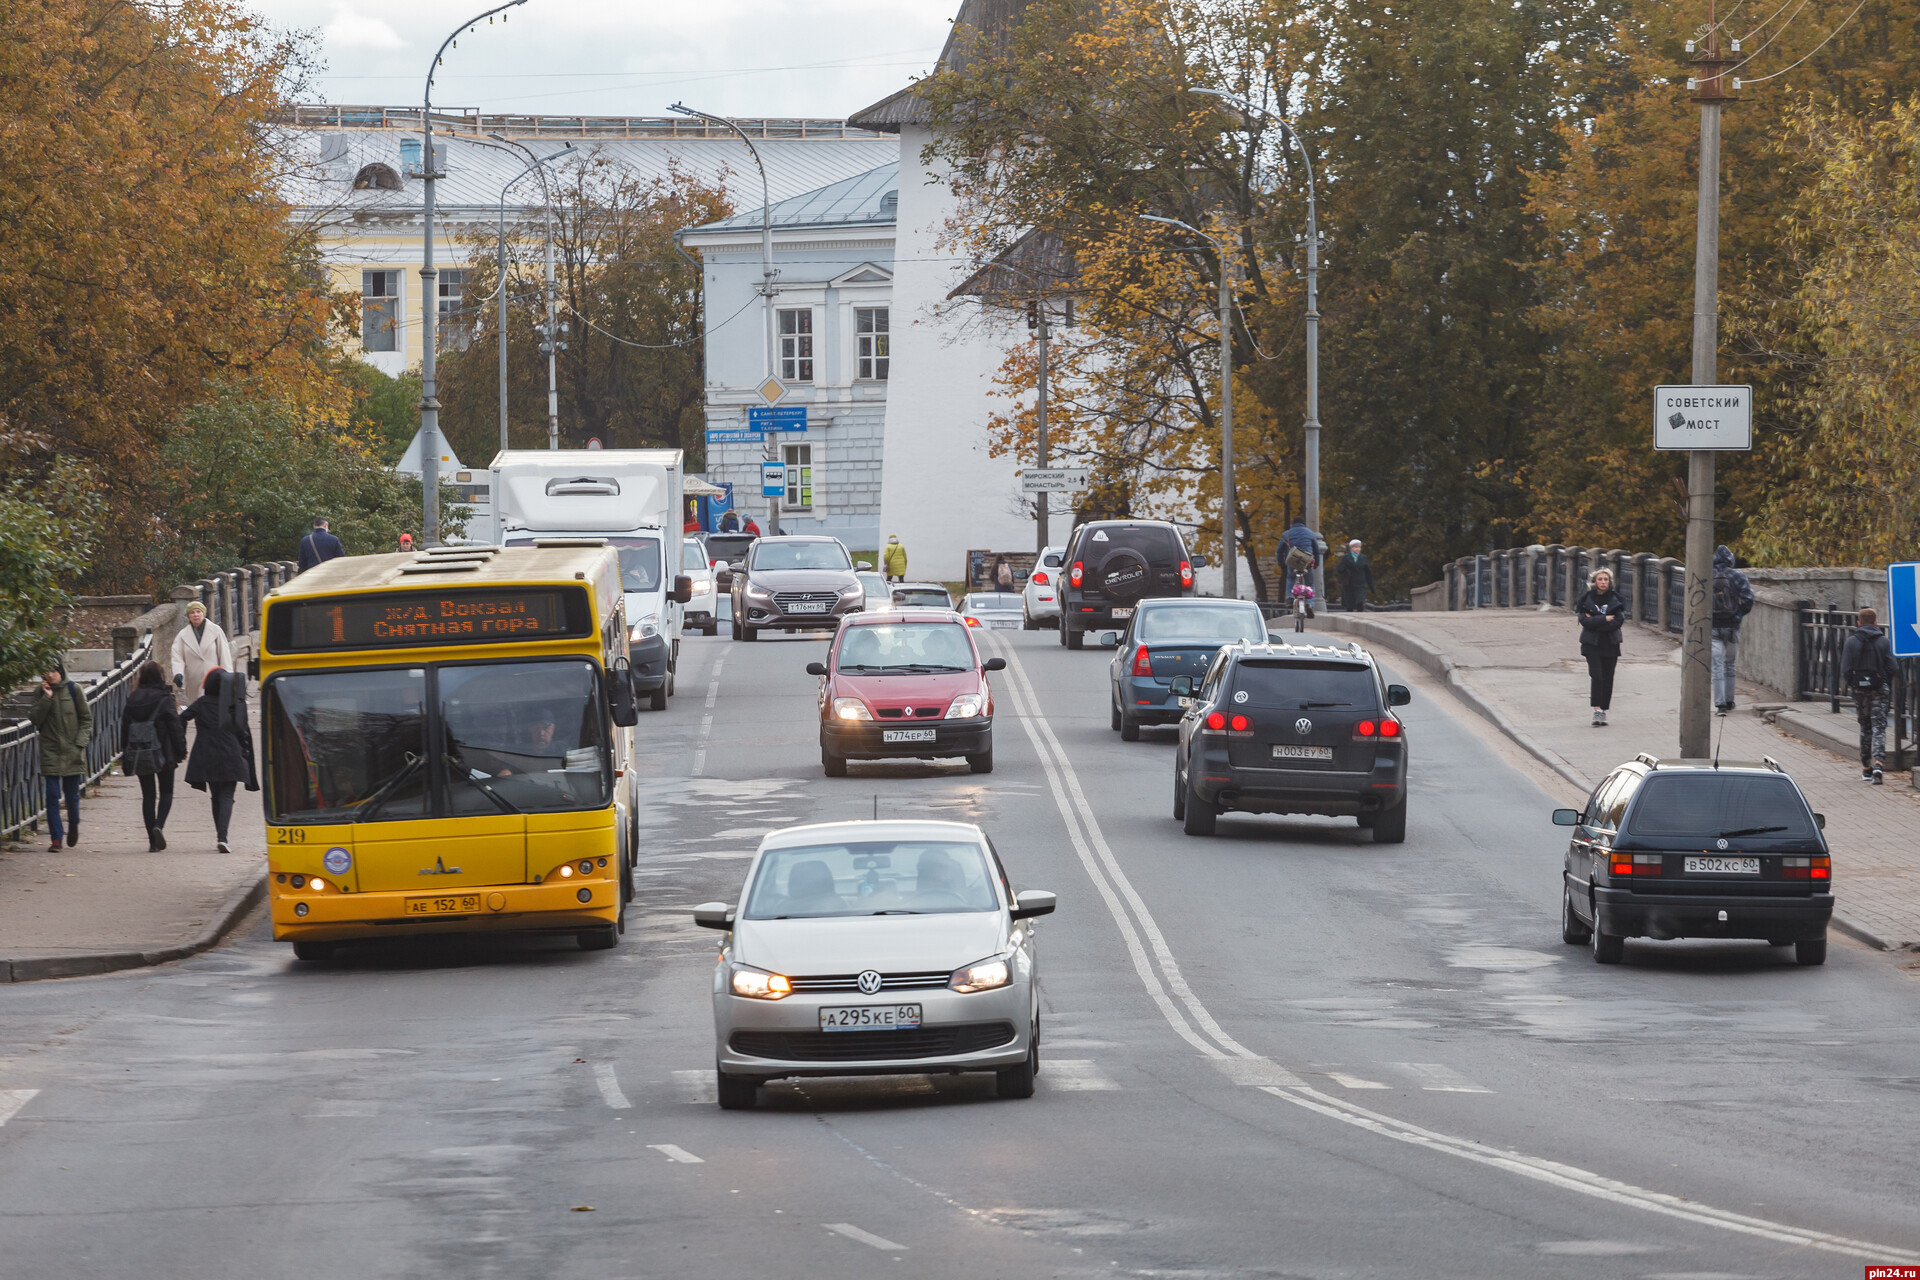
[
  {"x": 1602, "y": 613},
  {"x": 222, "y": 746},
  {"x": 159, "y": 753}
]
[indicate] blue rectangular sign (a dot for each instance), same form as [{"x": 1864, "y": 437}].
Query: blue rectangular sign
[
  {"x": 1903, "y": 609},
  {"x": 733, "y": 437},
  {"x": 777, "y": 418}
]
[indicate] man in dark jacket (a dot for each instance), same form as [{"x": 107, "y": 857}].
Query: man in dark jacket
[
  {"x": 319, "y": 546},
  {"x": 1356, "y": 577},
  {"x": 64, "y": 722},
  {"x": 1867, "y": 666},
  {"x": 1304, "y": 540},
  {"x": 1732, "y": 601}
]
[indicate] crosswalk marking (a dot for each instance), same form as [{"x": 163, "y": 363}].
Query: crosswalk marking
[
  {"x": 1353, "y": 1082},
  {"x": 679, "y": 1155},
  {"x": 1075, "y": 1073},
  {"x": 852, "y": 1232},
  {"x": 11, "y": 1100},
  {"x": 697, "y": 1087},
  {"x": 331, "y": 1108},
  {"x": 1257, "y": 1072},
  {"x": 1435, "y": 1077},
  {"x": 603, "y": 1075}
]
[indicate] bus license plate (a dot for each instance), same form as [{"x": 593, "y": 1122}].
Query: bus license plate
[
  {"x": 457, "y": 905},
  {"x": 1723, "y": 866},
  {"x": 906, "y": 735},
  {"x": 871, "y": 1017}
]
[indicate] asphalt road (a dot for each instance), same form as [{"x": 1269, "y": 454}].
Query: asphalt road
[{"x": 1280, "y": 1052}]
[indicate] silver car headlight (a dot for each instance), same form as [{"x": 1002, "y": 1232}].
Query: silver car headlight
[
  {"x": 965, "y": 707},
  {"x": 644, "y": 629},
  {"x": 984, "y": 975},
  {"x": 758, "y": 591},
  {"x": 758, "y": 984}
]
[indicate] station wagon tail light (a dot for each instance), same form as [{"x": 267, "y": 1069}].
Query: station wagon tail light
[
  {"x": 1216, "y": 721},
  {"x": 758, "y": 984},
  {"x": 1186, "y": 573},
  {"x": 1637, "y": 864},
  {"x": 1038, "y": 578},
  {"x": 1078, "y": 573},
  {"x": 1142, "y": 662},
  {"x": 1820, "y": 868}
]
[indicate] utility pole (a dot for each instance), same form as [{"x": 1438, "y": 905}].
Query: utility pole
[
  {"x": 1040, "y": 308},
  {"x": 1229, "y": 507},
  {"x": 1696, "y": 644}
]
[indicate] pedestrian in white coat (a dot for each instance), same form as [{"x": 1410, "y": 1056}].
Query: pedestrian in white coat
[{"x": 199, "y": 648}]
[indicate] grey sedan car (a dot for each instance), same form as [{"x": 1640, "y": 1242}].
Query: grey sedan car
[{"x": 876, "y": 948}]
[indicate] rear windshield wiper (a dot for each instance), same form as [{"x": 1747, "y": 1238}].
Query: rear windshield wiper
[{"x": 1751, "y": 831}]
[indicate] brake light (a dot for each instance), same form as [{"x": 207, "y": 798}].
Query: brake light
[
  {"x": 1078, "y": 572},
  {"x": 1186, "y": 573},
  {"x": 973, "y": 622},
  {"x": 1142, "y": 662},
  {"x": 1389, "y": 728},
  {"x": 1806, "y": 868},
  {"x": 1637, "y": 864},
  {"x": 1364, "y": 729},
  {"x": 1239, "y": 724},
  {"x": 1039, "y": 578},
  {"x": 1216, "y": 721}
]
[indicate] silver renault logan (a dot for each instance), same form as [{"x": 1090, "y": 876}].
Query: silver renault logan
[{"x": 876, "y": 948}]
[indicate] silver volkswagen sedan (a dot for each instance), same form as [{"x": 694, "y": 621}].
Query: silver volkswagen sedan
[{"x": 876, "y": 948}]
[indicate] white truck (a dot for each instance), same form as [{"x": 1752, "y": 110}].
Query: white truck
[{"x": 628, "y": 498}]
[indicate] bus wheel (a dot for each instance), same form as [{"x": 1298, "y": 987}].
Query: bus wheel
[
  {"x": 315, "y": 952},
  {"x": 599, "y": 939}
]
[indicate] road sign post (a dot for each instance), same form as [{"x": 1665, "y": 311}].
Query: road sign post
[
  {"x": 773, "y": 479},
  {"x": 1903, "y": 609}
]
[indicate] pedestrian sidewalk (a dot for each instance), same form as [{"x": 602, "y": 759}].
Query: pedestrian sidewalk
[
  {"x": 1522, "y": 669},
  {"x": 109, "y": 904}
]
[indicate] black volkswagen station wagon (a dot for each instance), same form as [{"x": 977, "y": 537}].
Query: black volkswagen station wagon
[
  {"x": 1286, "y": 728},
  {"x": 1696, "y": 849}
]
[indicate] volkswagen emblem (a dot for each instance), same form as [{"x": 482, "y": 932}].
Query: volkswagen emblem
[
  {"x": 869, "y": 982},
  {"x": 1722, "y": 844},
  {"x": 1303, "y": 725}
]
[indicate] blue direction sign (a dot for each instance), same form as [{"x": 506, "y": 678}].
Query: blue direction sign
[
  {"x": 777, "y": 417},
  {"x": 1903, "y": 609},
  {"x": 716, "y": 436}
]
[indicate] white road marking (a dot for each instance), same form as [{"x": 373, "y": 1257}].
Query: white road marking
[
  {"x": 1346, "y": 1081},
  {"x": 698, "y": 1087},
  {"x": 706, "y": 721},
  {"x": 1064, "y": 782},
  {"x": 678, "y": 1154},
  {"x": 852, "y": 1232},
  {"x": 1075, "y": 1073},
  {"x": 609, "y": 1083},
  {"x": 1257, "y": 1072},
  {"x": 1435, "y": 1077},
  {"x": 334, "y": 1108},
  {"x": 11, "y": 1100}
]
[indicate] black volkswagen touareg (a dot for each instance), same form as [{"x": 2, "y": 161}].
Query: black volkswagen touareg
[
  {"x": 1696, "y": 849},
  {"x": 1284, "y": 728},
  {"x": 1111, "y": 565}
]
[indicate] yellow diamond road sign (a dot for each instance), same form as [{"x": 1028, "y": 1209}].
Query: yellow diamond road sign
[{"x": 772, "y": 390}]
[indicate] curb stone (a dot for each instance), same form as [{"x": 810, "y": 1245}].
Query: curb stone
[
  {"x": 1443, "y": 669},
  {"x": 76, "y": 964}
]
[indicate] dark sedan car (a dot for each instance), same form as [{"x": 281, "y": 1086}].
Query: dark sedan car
[
  {"x": 1165, "y": 639},
  {"x": 794, "y": 584},
  {"x": 1696, "y": 849}
]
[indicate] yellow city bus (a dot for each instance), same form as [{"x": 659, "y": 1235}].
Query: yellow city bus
[{"x": 444, "y": 746}]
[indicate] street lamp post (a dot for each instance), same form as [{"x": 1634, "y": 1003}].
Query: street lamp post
[
  {"x": 501, "y": 290},
  {"x": 1229, "y": 504},
  {"x": 767, "y": 274},
  {"x": 430, "y": 305}
]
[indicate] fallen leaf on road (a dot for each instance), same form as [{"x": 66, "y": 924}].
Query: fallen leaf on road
[{"x": 582, "y": 1208}]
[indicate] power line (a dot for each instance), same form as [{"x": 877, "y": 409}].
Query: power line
[
  {"x": 1817, "y": 48},
  {"x": 651, "y": 346},
  {"x": 1784, "y": 28}
]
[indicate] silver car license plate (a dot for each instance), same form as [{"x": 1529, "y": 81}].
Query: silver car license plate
[
  {"x": 808, "y": 606},
  {"x": 871, "y": 1017},
  {"x": 1723, "y": 866},
  {"x": 1285, "y": 751},
  {"x": 906, "y": 735},
  {"x": 1004, "y": 624},
  {"x": 1122, "y": 613}
]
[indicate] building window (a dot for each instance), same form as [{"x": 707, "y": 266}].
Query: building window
[
  {"x": 379, "y": 310},
  {"x": 796, "y": 345},
  {"x": 455, "y": 325},
  {"x": 799, "y": 476},
  {"x": 870, "y": 325}
]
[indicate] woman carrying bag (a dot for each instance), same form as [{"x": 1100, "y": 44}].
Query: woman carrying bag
[
  {"x": 222, "y": 746},
  {"x": 153, "y": 742},
  {"x": 1602, "y": 613}
]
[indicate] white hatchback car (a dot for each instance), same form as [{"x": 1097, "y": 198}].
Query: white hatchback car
[
  {"x": 876, "y": 948},
  {"x": 1040, "y": 603},
  {"x": 700, "y": 608}
]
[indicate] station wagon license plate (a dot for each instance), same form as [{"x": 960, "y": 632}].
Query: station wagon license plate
[
  {"x": 1723, "y": 866},
  {"x": 871, "y": 1017},
  {"x": 1004, "y": 624},
  {"x": 808, "y": 606},
  {"x": 454, "y": 905},
  {"x": 906, "y": 735},
  {"x": 1286, "y": 751}
]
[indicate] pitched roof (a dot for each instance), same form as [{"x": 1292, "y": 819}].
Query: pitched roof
[
  {"x": 990, "y": 20},
  {"x": 1037, "y": 263},
  {"x": 866, "y": 199}
]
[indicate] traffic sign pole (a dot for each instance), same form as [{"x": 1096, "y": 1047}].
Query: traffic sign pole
[{"x": 1040, "y": 499}]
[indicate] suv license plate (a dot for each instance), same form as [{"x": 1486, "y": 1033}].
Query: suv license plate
[
  {"x": 1723, "y": 866},
  {"x": 1122, "y": 613},
  {"x": 1283, "y": 751},
  {"x": 807, "y": 606},
  {"x": 906, "y": 735},
  {"x": 461, "y": 905},
  {"x": 871, "y": 1017}
]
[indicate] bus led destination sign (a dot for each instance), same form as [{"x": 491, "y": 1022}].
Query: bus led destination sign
[{"x": 420, "y": 618}]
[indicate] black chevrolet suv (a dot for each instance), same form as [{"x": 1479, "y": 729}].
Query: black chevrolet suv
[
  {"x": 1111, "y": 565},
  {"x": 1284, "y": 728},
  {"x": 1696, "y": 849}
]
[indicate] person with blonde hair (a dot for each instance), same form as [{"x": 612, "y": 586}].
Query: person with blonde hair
[
  {"x": 199, "y": 647},
  {"x": 1602, "y": 614}
]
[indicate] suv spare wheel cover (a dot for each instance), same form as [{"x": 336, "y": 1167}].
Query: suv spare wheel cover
[{"x": 1124, "y": 575}]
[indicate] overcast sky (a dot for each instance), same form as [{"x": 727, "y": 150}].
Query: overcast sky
[{"x": 614, "y": 57}]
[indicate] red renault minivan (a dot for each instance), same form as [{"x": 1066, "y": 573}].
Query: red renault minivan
[{"x": 908, "y": 682}]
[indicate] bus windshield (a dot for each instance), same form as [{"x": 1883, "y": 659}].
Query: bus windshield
[{"x": 452, "y": 740}]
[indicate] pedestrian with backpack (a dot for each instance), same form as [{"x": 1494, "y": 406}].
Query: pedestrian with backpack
[
  {"x": 222, "y": 755},
  {"x": 1868, "y": 668},
  {"x": 64, "y": 722},
  {"x": 1732, "y": 602},
  {"x": 153, "y": 742}
]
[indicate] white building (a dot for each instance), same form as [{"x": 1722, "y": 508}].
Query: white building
[{"x": 832, "y": 329}]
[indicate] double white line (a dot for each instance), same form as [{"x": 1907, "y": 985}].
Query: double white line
[{"x": 1160, "y": 974}]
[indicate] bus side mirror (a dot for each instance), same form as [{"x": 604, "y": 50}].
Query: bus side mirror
[
  {"x": 682, "y": 589},
  {"x": 621, "y": 704}
]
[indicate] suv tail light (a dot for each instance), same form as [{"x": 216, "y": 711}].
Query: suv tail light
[
  {"x": 1039, "y": 578},
  {"x": 1637, "y": 864},
  {"x": 1186, "y": 573},
  {"x": 1820, "y": 868},
  {"x": 1387, "y": 728},
  {"x": 1073, "y": 578},
  {"x": 1240, "y": 724},
  {"x": 1142, "y": 662},
  {"x": 1216, "y": 721},
  {"x": 1364, "y": 729}
]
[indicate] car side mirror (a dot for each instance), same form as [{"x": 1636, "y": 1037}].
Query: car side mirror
[
  {"x": 816, "y": 668},
  {"x": 1398, "y": 695},
  {"x": 682, "y": 588},
  {"x": 1566, "y": 817},
  {"x": 1182, "y": 687},
  {"x": 1109, "y": 639},
  {"x": 1820, "y": 821},
  {"x": 1197, "y": 561},
  {"x": 713, "y": 915},
  {"x": 995, "y": 664},
  {"x": 621, "y": 704},
  {"x": 1032, "y": 902}
]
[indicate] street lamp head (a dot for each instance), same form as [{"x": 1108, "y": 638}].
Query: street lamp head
[{"x": 1172, "y": 222}]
